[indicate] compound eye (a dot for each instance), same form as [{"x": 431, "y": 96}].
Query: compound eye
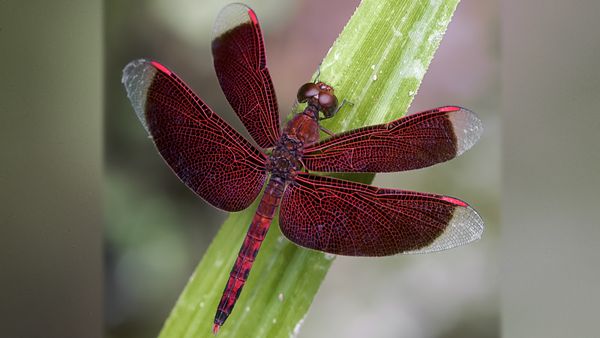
[
  {"x": 327, "y": 101},
  {"x": 307, "y": 91}
]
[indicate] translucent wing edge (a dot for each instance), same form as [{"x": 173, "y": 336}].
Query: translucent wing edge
[
  {"x": 233, "y": 13},
  {"x": 467, "y": 127},
  {"x": 465, "y": 226},
  {"x": 137, "y": 78}
]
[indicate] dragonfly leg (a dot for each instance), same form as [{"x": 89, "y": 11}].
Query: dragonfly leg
[
  {"x": 344, "y": 101},
  {"x": 318, "y": 74},
  {"x": 304, "y": 169},
  {"x": 326, "y": 131},
  {"x": 327, "y": 115}
]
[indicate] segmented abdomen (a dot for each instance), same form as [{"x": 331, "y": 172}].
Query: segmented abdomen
[{"x": 254, "y": 237}]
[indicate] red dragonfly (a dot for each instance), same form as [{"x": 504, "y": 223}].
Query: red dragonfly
[{"x": 316, "y": 212}]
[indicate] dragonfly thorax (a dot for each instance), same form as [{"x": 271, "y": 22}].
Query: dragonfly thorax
[{"x": 284, "y": 161}]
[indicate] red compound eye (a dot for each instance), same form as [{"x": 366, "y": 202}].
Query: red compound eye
[
  {"x": 307, "y": 91},
  {"x": 328, "y": 102}
]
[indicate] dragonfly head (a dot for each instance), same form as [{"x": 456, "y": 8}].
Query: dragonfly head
[{"x": 319, "y": 95}]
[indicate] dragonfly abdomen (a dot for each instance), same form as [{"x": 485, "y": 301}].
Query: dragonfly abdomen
[{"x": 254, "y": 238}]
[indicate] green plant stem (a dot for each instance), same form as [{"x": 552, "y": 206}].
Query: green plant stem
[{"x": 377, "y": 64}]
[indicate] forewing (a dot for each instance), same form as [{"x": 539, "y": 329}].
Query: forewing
[
  {"x": 207, "y": 154},
  {"x": 415, "y": 141},
  {"x": 240, "y": 62},
  {"x": 347, "y": 218}
]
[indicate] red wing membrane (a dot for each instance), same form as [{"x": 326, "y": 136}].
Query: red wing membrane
[
  {"x": 415, "y": 141},
  {"x": 207, "y": 154},
  {"x": 347, "y": 218},
  {"x": 240, "y": 62}
]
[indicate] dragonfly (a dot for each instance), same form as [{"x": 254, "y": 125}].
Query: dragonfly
[{"x": 322, "y": 213}]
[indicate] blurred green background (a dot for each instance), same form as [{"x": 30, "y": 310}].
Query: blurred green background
[{"x": 157, "y": 230}]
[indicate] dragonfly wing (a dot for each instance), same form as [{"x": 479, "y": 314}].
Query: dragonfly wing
[
  {"x": 415, "y": 141},
  {"x": 347, "y": 218},
  {"x": 240, "y": 62},
  {"x": 205, "y": 152}
]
